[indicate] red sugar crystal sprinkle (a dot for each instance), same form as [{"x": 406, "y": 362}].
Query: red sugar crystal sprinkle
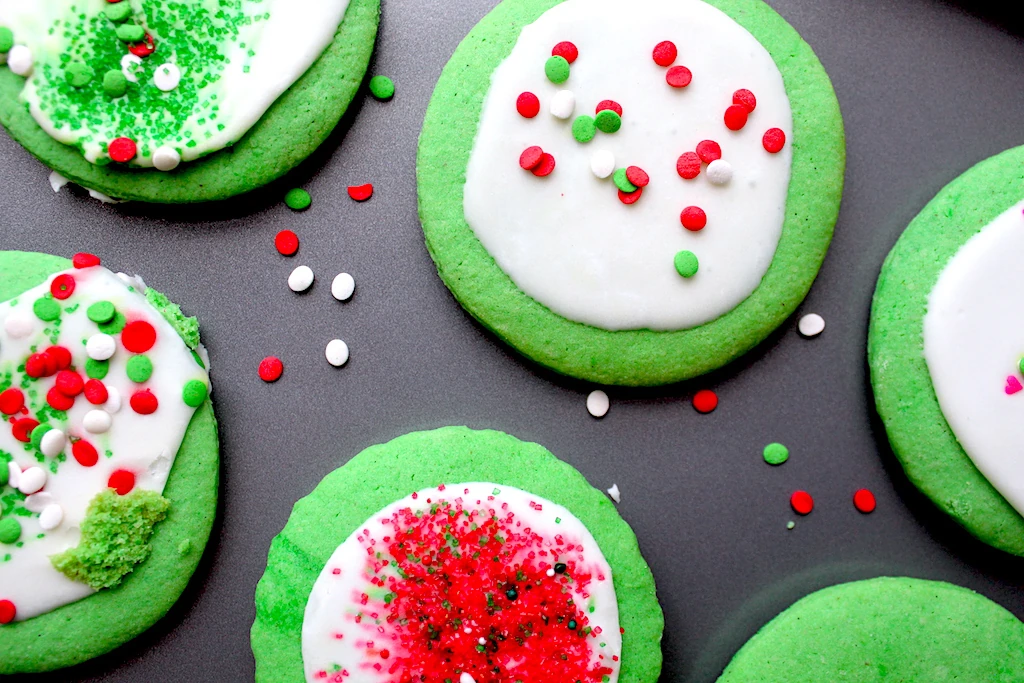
[
  {"x": 678, "y": 77},
  {"x": 58, "y": 401},
  {"x": 11, "y": 401},
  {"x": 85, "y": 453},
  {"x": 144, "y": 402},
  {"x": 735, "y": 117},
  {"x": 665, "y": 53},
  {"x": 360, "y": 193},
  {"x": 801, "y": 502},
  {"x": 745, "y": 98},
  {"x": 138, "y": 336},
  {"x": 271, "y": 369},
  {"x": 531, "y": 158},
  {"x": 7, "y": 611},
  {"x": 630, "y": 197},
  {"x": 122, "y": 481},
  {"x": 22, "y": 429},
  {"x": 83, "y": 260},
  {"x": 567, "y": 50},
  {"x": 545, "y": 167},
  {"x": 637, "y": 176},
  {"x": 527, "y": 105},
  {"x": 286, "y": 242},
  {"x": 61, "y": 356},
  {"x": 62, "y": 286},
  {"x": 608, "y": 104},
  {"x": 688, "y": 165},
  {"x": 693, "y": 218},
  {"x": 774, "y": 140},
  {"x": 144, "y": 47},
  {"x": 95, "y": 392},
  {"x": 122, "y": 150},
  {"x": 704, "y": 401},
  {"x": 864, "y": 501},
  {"x": 708, "y": 151},
  {"x": 69, "y": 383}
]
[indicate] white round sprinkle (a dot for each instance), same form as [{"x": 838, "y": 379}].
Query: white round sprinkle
[
  {"x": 97, "y": 421},
  {"x": 719, "y": 172},
  {"x": 51, "y": 517},
  {"x": 482, "y": 641},
  {"x": 113, "y": 404},
  {"x": 19, "y": 324},
  {"x": 130, "y": 64},
  {"x": 337, "y": 353},
  {"x": 38, "y": 502},
  {"x": 550, "y": 572},
  {"x": 166, "y": 158},
  {"x": 466, "y": 678},
  {"x": 602, "y": 163},
  {"x": 343, "y": 286},
  {"x": 100, "y": 346},
  {"x": 811, "y": 325},
  {"x": 598, "y": 403},
  {"x": 13, "y": 474},
  {"x": 167, "y": 77},
  {"x": 19, "y": 60},
  {"x": 563, "y": 104},
  {"x": 614, "y": 493},
  {"x": 53, "y": 442},
  {"x": 301, "y": 279},
  {"x": 33, "y": 479}
]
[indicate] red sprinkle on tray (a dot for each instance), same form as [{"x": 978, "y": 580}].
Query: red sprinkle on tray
[
  {"x": 360, "y": 193},
  {"x": 271, "y": 368},
  {"x": 286, "y": 242},
  {"x": 801, "y": 502},
  {"x": 704, "y": 401}
]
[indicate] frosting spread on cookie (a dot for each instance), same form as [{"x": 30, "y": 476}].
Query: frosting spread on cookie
[
  {"x": 566, "y": 235},
  {"x": 179, "y": 80},
  {"x": 97, "y": 389},
  {"x": 469, "y": 581},
  {"x": 974, "y": 347}
]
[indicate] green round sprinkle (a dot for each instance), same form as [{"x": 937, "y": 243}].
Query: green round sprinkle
[
  {"x": 382, "y": 87},
  {"x": 118, "y": 12},
  {"x": 130, "y": 33},
  {"x": 775, "y": 454},
  {"x": 298, "y": 199},
  {"x": 557, "y": 69},
  {"x": 790, "y": 525},
  {"x": 583, "y": 128},
  {"x": 194, "y": 393},
  {"x": 37, "y": 434},
  {"x": 46, "y": 309},
  {"x": 101, "y": 312},
  {"x": 115, "y": 83},
  {"x": 139, "y": 369},
  {"x": 114, "y": 325},
  {"x": 4, "y": 474},
  {"x": 10, "y": 530},
  {"x": 608, "y": 121},
  {"x": 96, "y": 369},
  {"x": 622, "y": 182},
  {"x": 1020, "y": 366},
  {"x": 6, "y": 39},
  {"x": 686, "y": 263},
  {"x": 78, "y": 75}
]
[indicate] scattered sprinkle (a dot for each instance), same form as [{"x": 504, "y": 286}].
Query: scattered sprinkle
[
  {"x": 633, "y": 197},
  {"x": 545, "y": 167},
  {"x": 531, "y": 157},
  {"x": 602, "y": 163},
  {"x": 801, "y": 502},
  {"x": 615, "y": 495},
  {"x": 708, "y": 151},
  {"x": 563, "y": 104},
  {"x": 637, "y": 176},
  {"x": 607, "y": 121},
  {"x": 527, "y": 105},
  {"x": 583, "y": 128},
  {"x": 665, "y": 53},
  {"x": 775, "y": 454},
  {"x": 608, "y": 104},
  {"x": 166, "y": 158},
  {"x": 811, "y": 325},
  {"x": 693, "y": 218},
  {"x": 300, "y": 279},
  {"x": 686, "y": 263},
  {"x": 719, "y": 172},
  {"x": 864, "y": 501},
  {"x": 688, "y": 165},
  {"x": 790, "y": 525},
  {"x": 598, "y": 403},
  {"x": 336, "y": 352},
  {"x": 557, "y": 69},
  {"x": 382, "y": 88},
  {"x": 774, "y": 140},
  {"x": 704, "y": 401},
  {"x": 343, "y": 286},
  {"x": 1013, "y": 385},
  {"x": 122, "y": 150},
  {"x": 286, "y": 242},
  {"x": 622, "y": 181},
  {"x": 297, "y": 199},
  {"x": 360, "y": 193},
  {"x": 271, "y": 369},
  {"x": 565, "y": 50},
  {"x": 745, "y": 98},
  {"x": 678, "y": 77},
  {"x": 735, "y": 117},
  {"x": 167, "y": 77}
]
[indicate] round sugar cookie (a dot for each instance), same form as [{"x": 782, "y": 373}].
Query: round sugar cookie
[
  {"x": 669, "y": 224},
  {"x": 975, "y": 205},
  {"x": 297, "y": 122},
  {"x": 885, "y": 629},
  {"x": 348, "y": 505},
  {"x": 93, "y": 625}
]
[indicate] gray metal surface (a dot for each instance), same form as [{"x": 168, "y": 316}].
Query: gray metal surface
[{"x": 927, "y": 89}]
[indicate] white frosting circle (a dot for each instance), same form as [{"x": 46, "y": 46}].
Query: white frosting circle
[
  {"x": 166, "y": 158},
  {"x": 166, "y": 77}
]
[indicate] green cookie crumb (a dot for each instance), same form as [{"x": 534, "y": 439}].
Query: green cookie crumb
[{"x": 186, "y": 326}]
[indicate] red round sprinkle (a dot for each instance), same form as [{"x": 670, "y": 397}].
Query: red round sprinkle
[
  {"x": 40, "y": 365},
  {"x": 122, "y": 481},
  {"x": 58, "y": 400},
  {"x": 693, "y": 218},
  {"x": 665, "y": 53},
  {"x": 630, "y": 197},
  {"x": 7, "y": 611},
  {"x": 704, "y": 401},
  {"x": 678, "y": 77},
  {"x": 122, "y": 150},
  {"x": 567, "y": 50},
  {"x": 360, "y": 193},
  {"x": 62, "y": 286},
  {"x": 85, "y": 453},
  {"x": 608, "y": 104},
  {"x": 22, "y": 429},
  {"x": 637, "y": 176},
  {"x": 708, "y": 151},
  {"x": 527, "y": 105},
  {"x": 83, "y": 260},
  {"x": 144, "y": 47},
  {"x": 864, "y": 501},
  {"x": 774, "y": 140},
  {"x": 61, "y": 356},
  {"x": 745, "y": 98},
  {"x": 545, "y": 167},
  {"x": 69, "y": 383},
  {"x": 688, "y": 165},
  {"x": 144, "y": 402},
  {"x": 138, "y": 336},
  {"x": 95, "y": 392},
  {"x": 11, "y": 401},
  {"x": 735, "y": 117},
  {"x": 271, "y": 369},
  {"x": 531, "y": 157},
  {"x": 801, "y": 502},
  {"x": 286, "y": 242}
]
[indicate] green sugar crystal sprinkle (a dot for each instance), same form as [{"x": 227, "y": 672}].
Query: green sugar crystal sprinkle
[
  {"x": 10, "y": 530},
  {"x": 298, "y": 199},
  {"x": 118, "y": 12},
  {"x": 775, "y": 454},
  {"x": 96, "y": 369},
  {"x": 46, "y": 309},
  {"x": 686, "y": 263},
  {"x": 130, "y": 33},
  {"x": 114, "y": 325},
  {"x": 6, "y": 39},
  {"x": 382, "y": 88},
  {"x": 100, "y": 312},
  {"x": 583, "y": 128},
  {"x": 622, "y": 182},
  {"x": 115, "y": 537},
  {"x": 194, "y": 393},
  {"x": 115, "y": 84},
  {"x": 139, "y": 369},
  {"x": 608, "y": 121},
  {"x": 78, "y": 75},
  {"x": 556, "y": 69}
]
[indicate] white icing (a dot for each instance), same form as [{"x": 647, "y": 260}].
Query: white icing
[
  {"x": 135, "y": 442},
  {"x": 333, "y": 601},
  {"x": 615, "y": 494},
  {"x": 973, "y": 341},
  {"x": 566, "y": 240}
]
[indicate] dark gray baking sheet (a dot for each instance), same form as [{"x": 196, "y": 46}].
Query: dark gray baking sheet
[{"x": 927, "y": 89}]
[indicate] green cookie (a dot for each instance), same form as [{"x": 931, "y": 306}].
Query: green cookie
[
  {"x": 629, "y": 357},
  {"x": 920, "y": 436},
  {"x": 885, "y": 630},
  {"x": 383, "y": 474},
  {"x": 97, "y": 624}
]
